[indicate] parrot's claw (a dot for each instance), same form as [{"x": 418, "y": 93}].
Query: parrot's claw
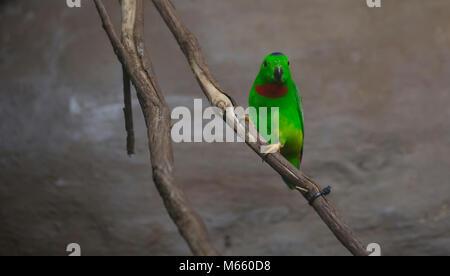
[{"x": 271, "y": 149}]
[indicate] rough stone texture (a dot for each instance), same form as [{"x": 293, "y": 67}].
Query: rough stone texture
[{"x": 375, "y": 85}]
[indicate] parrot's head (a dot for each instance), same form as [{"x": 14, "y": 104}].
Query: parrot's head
[{"x": 275, "y": 68}]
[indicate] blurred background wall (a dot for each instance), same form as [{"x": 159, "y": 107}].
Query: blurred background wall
[{"x": 375, "y": 85}]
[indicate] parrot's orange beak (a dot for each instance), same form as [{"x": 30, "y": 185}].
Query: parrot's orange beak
[{"x": 278, "y": 74}]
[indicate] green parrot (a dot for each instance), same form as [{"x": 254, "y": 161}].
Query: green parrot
[{"x": 274, "y": 87}]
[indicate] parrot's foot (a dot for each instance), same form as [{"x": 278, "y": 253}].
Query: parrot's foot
[{"x": 266, "y": 150}]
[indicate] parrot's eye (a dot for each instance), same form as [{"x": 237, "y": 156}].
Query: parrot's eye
[
  {"x": 289, "y": 63},
  {"x": 265, "y": 63}
]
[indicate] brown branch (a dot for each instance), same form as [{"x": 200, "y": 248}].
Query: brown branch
[
  {"x": 191, "y": 49},
  {"x": 128, "y": 108},
  {"x": 128, "y": 112},
  {"x": 157, "y": 118}
]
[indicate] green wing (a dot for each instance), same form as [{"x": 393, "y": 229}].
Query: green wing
[
  {"x": 300, "y": 112},
  {"x": 300, "y": 108}
]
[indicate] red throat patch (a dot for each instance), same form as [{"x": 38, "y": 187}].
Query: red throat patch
[{"x": 271, "y": 90}]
